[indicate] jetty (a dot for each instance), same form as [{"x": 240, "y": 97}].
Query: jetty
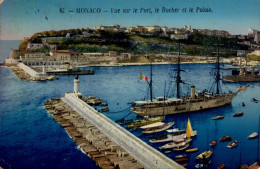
[
  {"x": 26, "y": 73},
  {"x": 94, "y": 133}
]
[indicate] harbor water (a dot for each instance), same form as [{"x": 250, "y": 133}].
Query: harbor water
[{"x": 30, "y": 138}]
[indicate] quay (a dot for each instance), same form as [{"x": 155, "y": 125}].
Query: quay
[
  {"x": 83, "y": 122},
  {"x": 26, "y": 73}
]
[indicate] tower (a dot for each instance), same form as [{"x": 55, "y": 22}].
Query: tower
[{"x": 76, "y": 84}]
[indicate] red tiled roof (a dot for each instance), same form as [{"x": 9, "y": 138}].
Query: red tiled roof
[{"x": 60, "y": 51}]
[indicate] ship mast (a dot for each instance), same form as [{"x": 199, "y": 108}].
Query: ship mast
[
  {"x": 218, "y": 72},
  {"x": 151, "y": 83},
  {"x": 178, "y": 78}
]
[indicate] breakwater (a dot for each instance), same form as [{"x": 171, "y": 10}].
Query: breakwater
[
  {"x": 23, "y": 72},
  {"x": 89, "y": 139},
  {"x": 141, "y": 151}
]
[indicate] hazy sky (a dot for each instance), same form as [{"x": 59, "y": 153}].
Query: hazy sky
[{"x": 22, "y": 18}]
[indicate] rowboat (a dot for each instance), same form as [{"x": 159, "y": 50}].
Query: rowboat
[
  {"x": 181, "y": 156},
  {"x": 182, "y": 159},
  {"x": 158, "y": 128},
  {"x": 221, "y": 166},
  {"x": 225, "y": 138},
  {"x": 144, "y": 122},
  {"x": 218, "y": 118},
  {"x": 192, "y": 150},
  {"x": 253, "y": 135},
  {"x": 175, "y": 143},
  {"x": 173, "y": 130},
  {"x": 213, "y": 143},
  {"x": 182, "y": 147},
  {"x": 205, "y": 154},
  {"x": 255, "y": 100},
  {"x": 202, "y": 165},
  {"x": 232, "y": 144},
  {"x": 238, "y": 114}
]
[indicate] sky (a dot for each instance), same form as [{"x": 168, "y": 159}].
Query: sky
[{"x": 23, "y": 18}]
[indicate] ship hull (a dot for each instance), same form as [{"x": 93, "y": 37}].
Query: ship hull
[{"x": 184, "y": 106}]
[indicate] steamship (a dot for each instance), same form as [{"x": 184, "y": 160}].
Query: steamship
[{"x": 195, "y": 102}]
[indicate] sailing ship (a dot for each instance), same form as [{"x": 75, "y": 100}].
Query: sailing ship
[{"x": 173, "y": 105}]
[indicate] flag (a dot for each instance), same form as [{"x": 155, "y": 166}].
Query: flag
[{"x": 142, "y": 77}]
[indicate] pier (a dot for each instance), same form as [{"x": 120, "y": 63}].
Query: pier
[
  {"x": 142, "y": 152},
  {"x": 106, "y": 142},
  {"x": 26, "y": 73}
]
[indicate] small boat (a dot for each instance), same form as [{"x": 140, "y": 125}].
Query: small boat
[
  {"x": 185, "y": 164},
  {"x": 182, "y": 147},
  {"x": 171, "y": 137},
  {"x": 144, "y": 122},
  {"x": 213, "y": 143},
  {"x": 167, "y": 152},
  {"x": 238, "y": 114},
  {"x": 203, "y": 165},
  {"x": 158, "y": 128},
  {"x": 253, "y": 135},
  {"x": 103, "y": 104},
  {"x": 232, "y": 144},
  {"x": 173, "y": 130},
  {"x": 182, "y": 159},
  {"x": 255, "y": 100},
  {"x": 181, "y": 156},
  {"x": 243, "y": 104},
  {"x": 175, "y": 143},
  {"x": 134, "y": 129},
  {"x": 126, "y": 122},
  {"x": 205, "y": 154},
  {"x": 152, "y": 125},
  {"x": 192, "y": 150},
  {"x": 221, "y": 166},
  {"x": 218, "y": 118},
  {"x": 225, "y": 138},
  {"x": 106, "y": 109}
]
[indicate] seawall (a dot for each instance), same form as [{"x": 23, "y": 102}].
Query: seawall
[{"x": 142, "y": 152}]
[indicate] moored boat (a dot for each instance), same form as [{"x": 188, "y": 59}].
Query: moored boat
[
  {"x": 221, "y": 166},
  {"x": 106, "y": 109},
  {"x": 225, "y": 138},
  {"x": 192, "y": 150},
  {"x": 171, "y": 137},
  {"x": 205, "y": 154},
  {"x": 152, "y": 125},
  {"x": 217, "y": 118},
  {"x": 144, "y": 122},
  {"x": 243, "y": 104},
  {"x": 173, "y": 130},
  {"x": 185, "y": 159},
  {"x": 194, "y": 102},
  {"x": 255, "y": 100},
  {"x": 203, "y": 165},
  {"x": 213, "y": 143},
  {"x": 175, "y": 143},
  {"x": 238, "y": 114},
  {"x": 126, "y": 121},
  {"x": 182, "y": 147},
  {"x": 253, "y": 135},
  {"x": 158, "y": 128},
  {"x": 181, "y": 156},
  {"x": 232, "y": 144}
]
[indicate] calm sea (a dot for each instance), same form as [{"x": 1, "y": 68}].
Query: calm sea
[{"x": 30, "y": 138}]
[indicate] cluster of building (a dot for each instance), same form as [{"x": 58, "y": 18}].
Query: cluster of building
[
  {"x": 173, "y": 33},
  {"x": 61, "y": 57}
]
